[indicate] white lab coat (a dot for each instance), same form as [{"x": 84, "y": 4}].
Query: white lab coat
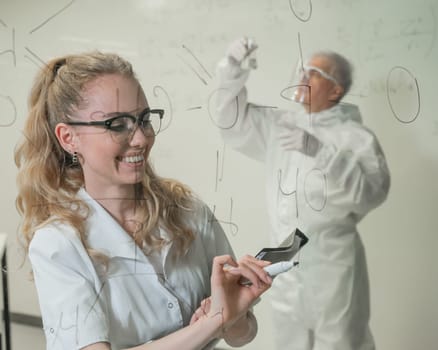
[
  {"x": 129, "y": 304},
  {"x": 323, "y": 304}
]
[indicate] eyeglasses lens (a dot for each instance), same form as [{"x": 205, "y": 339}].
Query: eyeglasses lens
[{"x": 123, "y": 128}]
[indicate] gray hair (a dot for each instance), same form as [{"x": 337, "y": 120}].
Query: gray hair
[{"x": 341, "y": 70}]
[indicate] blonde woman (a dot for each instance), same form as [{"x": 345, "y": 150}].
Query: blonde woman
[{"x": 121, "y": 258}]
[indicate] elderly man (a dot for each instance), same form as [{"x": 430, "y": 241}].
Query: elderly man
[{"x": 324, "y": 172}]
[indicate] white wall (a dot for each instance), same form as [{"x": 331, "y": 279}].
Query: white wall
[{"x": 159, "y": 38}]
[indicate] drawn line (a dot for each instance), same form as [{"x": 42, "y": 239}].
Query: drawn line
[
  {"x": 15, "y": 111},
  {"x": 268, "y": 107},
  {"x": 35, "y": 55},
  {"x": 231, "y": 214},
  {"x": 13, "y": 48},
  {"x": 77, "y": 328},
  {"x": 360, "y": 94},
  {"x": 432, "y": 12},
  {"x": 217, "y": 171},
  {"x": 6, "y": 51},
  {"x": 193, "y": 108},
  {"x": 292, "y": 192},
  {"x": 193, "y": 70},
  {"x": 3, "y": 23},
  {"x": 280, "y": 187},
  {"x": 219, "y": 167},
  {"x": 285, "y": 90},
  {"x": 33, "y": 61},
  {"x": 95, "y": 301},
  {"x": 196, "y": 59},
  {"x": 132, "y": 274},
  {"x": 51, "y": 17},
  {"x": 389, "y": 98},
  {"x": 297, "y": 16},
  {"x": 223, "y": 162},
  {"x": 324, "y": 178},
  {"x": 169, "y": 114},
  {"x": 91, "y": 200},
  {"x": 211, "y": 115},
  {"x": 300, "y": 49},
  {"x": 60, "y": 326},
  {"x": 232, "y": 225}
]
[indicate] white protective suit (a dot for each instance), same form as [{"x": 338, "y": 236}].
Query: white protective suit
[{"x": 324, "y": 303}]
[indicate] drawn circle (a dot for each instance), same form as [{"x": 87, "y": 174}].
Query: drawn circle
[
  {"x": 403, "y": 94},
  {"x": 11, "y": 105},
  {"x": 288, "y": 93},
  {"x": 302, "y": 13},
  {"x": 168, "y": 115},
  {"x": 316, "y": 175},
  {"x": 211, "y": 115}
]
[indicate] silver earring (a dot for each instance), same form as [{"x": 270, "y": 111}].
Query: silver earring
[{"x": 74, "y": 158}]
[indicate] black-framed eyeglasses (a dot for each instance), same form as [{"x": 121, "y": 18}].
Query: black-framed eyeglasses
[{"x": 123, "y": 126}]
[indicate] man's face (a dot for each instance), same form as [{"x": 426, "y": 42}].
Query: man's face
[{"x": 318, "y": 89}]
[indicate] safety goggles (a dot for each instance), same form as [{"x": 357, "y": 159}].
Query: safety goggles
[
  {"x": 123, "y": 126},
  {"x": 307, "y": 72}
]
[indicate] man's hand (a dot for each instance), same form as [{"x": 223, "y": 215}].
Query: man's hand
[{"x": 300, "y": 140}]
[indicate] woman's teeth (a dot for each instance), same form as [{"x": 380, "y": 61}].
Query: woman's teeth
[{"x": 133, "y": 159}]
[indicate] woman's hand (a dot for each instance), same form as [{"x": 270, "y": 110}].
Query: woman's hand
[
  {"x": 230, "y": 299},
  {"x": 202, "y": 310}
]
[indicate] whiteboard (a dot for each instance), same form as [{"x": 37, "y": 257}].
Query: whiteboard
[{"x": 175, "y": 46}]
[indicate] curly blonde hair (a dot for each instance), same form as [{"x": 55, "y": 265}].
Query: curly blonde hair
[{"x": 48, "y": 179}]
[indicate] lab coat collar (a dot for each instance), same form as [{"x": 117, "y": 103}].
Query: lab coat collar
[{"x": 105, "y": 234}]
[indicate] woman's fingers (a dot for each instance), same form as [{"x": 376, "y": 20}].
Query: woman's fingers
[
  {"x": 229, "y": 297},
  {"x": 202, "y": 310},
  {"x": 248, "y": 270},
  {"x": 221, "y": 261},
  {"x": 251, "y": 271}
]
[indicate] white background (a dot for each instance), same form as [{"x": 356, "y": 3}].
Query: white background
[{"x": 393, "y": 46}]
